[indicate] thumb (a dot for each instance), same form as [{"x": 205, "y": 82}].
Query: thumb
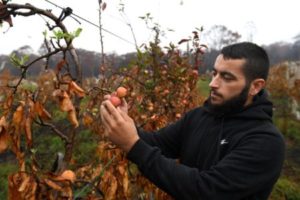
[{"x": 107, "y": 96}]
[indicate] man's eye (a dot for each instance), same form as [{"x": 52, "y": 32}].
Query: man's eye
[{"x": 227, "y": 77}]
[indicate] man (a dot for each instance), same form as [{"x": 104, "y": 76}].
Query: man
[{"x": 228, "y": 149}]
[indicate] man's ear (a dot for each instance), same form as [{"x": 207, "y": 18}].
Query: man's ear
[{"x": 256, "y": 86}]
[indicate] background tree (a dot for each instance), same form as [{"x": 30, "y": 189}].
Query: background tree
[{"x": 219, "y": 36}]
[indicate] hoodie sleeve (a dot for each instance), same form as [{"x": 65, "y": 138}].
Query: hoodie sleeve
[{"x": 254, "y": 163}]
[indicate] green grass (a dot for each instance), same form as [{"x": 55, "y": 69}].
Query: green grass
[
  {"x": 203, "y": 87},
  {"x": 47, "y": 145},
  {"x": 289, "y": 127},
  {"x": 286, "y": 189},
  {"x": 84, "y": 148}
]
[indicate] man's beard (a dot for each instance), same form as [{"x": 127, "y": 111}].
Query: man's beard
[{"x": 233, "y": 104}]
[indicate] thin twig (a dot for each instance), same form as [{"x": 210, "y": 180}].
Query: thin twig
[
  {"x": 101, "y": 35},
  {"x": 54, "y": 129}
]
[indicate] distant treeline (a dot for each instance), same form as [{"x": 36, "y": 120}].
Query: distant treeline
[
  {"x": 90, "y": 61},
  {"x": 278, "y": 52}
]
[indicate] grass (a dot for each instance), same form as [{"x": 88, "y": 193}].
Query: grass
[
  {"x": 285, "y": 188},
  {"x": 47, "y": 145},
  {"x": 84, "y": 148},
  {"x": 203, "y": 87}
]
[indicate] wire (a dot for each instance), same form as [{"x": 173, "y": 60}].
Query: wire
[{"x": 91, "y": 23}]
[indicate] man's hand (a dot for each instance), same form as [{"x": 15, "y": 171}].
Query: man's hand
[
  {"x": 120, "y": 128},
  {"x": 123, "y": 106}
]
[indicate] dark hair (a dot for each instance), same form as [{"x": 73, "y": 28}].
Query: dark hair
[{"x": 257, "y": 60}]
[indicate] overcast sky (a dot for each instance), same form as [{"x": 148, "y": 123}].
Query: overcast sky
[{"x": 267, "y": 20}]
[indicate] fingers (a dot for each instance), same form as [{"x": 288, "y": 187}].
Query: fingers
[
  {"x": 107, "y": 97},
  {"x": 104, "y": 117},
  {"x": 112, "y": 117},
  {"x": 123, "y": 114},
  {"x": 111, "y": 110},
  {"x": 124, "y": 105},
  {"x": 124, "y": 102}
]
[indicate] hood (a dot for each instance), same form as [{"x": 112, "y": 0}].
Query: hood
[{"x": 260, "y": 109}]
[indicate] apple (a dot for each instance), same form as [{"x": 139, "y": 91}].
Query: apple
[
  {"x": 195, "y": 72},
  {"x": 121, "y": 92},
  {"x": 116, "y": 101},
  {"x": 178, "y": 115},
  {"x": 68, "y": 175}
]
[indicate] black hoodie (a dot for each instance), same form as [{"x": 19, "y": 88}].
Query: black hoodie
[{"x": 237, "y": 156}]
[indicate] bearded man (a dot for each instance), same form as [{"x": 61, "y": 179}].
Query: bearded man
[{"x": 228, "y": 149}]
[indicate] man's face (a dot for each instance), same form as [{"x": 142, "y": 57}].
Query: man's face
[{"x": 228, "y": 84}]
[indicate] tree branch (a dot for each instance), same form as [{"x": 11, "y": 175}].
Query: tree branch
[
  {"x": 14, "y": 9},
  {"x": 55, "y": 130}
]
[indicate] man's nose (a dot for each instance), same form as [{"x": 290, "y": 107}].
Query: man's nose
[{"x": 214, "y": 83}]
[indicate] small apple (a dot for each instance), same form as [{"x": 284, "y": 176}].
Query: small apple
[
  {"x": 150, "y": 108},
  {"x": 121, "y": 92},
  {"x": 116, "y": 101},
  {"x": 132, "y": 94},
  {"x": 166, "y": 91},
  {"x": 68, "y": 175},
  {"x": 195, "y": 72},
  {"x": 178, "y": 115}
]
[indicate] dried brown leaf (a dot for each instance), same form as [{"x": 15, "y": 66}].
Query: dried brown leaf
[
  {"x": 183, "y": 40},
  {"x": 5, "y": 14},
  {"x": 4, "y": 136},
  {"x": 109, "y": 185},
  {"x": 125, "y": 179},
  {"x": 4, "y": 141},
  {"x": 66, "y": 104},
  {"x": 28, "y": 133},
  {"x": 60, "y": 65},
  {"x": 103, "y": 6},
  {"x": 24, "y": 184},
  {"x": 8, "y": 102},
  {"x": 41, "y": 111},
  {"x": 72, "y": 118},
  {"x": 73, "y": 87},
  {"x": 87, "y": 119},
  {"x": 21, "y": 186},
  {"x": 53, "y": 185},
  {"x": 18, "y": 115}
]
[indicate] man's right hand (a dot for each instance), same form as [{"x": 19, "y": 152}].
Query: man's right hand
[{"x": 123, "y": 106}]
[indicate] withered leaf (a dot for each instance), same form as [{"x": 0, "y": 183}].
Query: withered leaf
[
  {"x": 18, "y": 115},
  {"x": 125, "y": 179},
  {"x": 87, "y": 119},
  {"x": 28, "y": 133},
  {"x": 103, "y": 6},
  {"x": 21, "y": 186},
  {"x": 5, "y": 15},
  {"x": 66, "y": 103},
  {"x": 72, "y": 118},
  {"x": 53, "y": 185},
  {"x": 60, "y": 65},
  {"x": 24, "y": 184},
  {"x": 4, "y": 136},
  {"x": 4, "y": 141},
  {"x": 41, "y": 111},
  {"x": 183, "y": 40},
  {"x": 8, "y": 102},
  {"x": 73, "y": 87},
  {"x": 109, "y": 185}
]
